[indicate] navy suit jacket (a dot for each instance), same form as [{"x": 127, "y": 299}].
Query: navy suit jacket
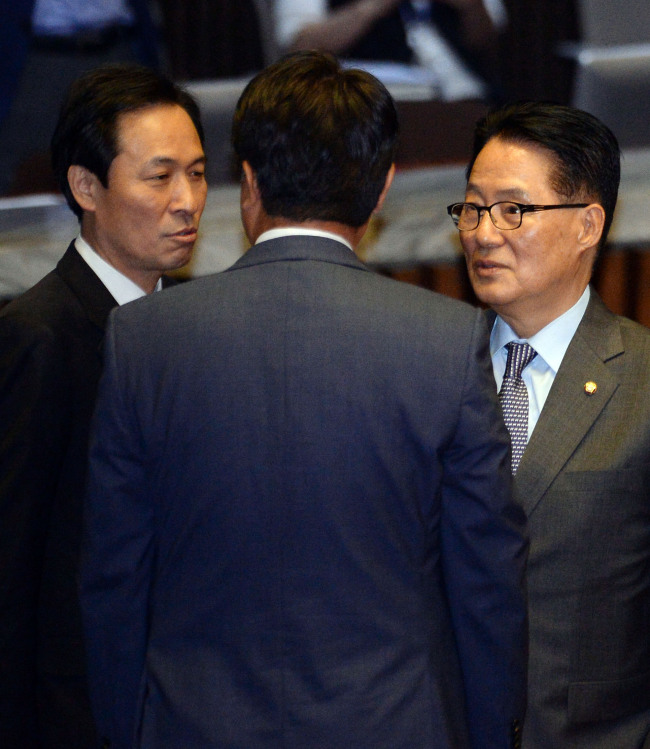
[{"x": 299, "y": 527}]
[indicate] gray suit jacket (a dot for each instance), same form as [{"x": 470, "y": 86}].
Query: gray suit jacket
[
  {"x": 585, "y": 484},
  {"x": 299, "y": 529}
]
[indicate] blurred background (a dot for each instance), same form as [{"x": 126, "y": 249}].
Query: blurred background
[{"x": 594, "y": 54}]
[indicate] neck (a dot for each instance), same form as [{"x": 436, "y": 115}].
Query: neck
[
  {"x": 526, "y": 323},
  {"x": 144, "y": 278},
  {"x": 351, "y": 234}
]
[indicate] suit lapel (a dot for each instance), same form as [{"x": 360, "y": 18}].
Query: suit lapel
[
  {"x": 569, "y": 412},
  {"x": 93, "y": 296}
]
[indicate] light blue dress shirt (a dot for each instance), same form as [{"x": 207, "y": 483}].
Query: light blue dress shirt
[{"x": 550, "y": 343}]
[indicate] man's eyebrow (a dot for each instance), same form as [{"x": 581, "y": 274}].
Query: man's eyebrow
[
  {"x": 510, "y": 193},
  {"x": 168, "y": 161}
]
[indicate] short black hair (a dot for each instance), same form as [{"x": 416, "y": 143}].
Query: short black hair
[
  {"x": 320, "y": 138},
  {"x": 86, "y": 133},
  {"x": 585, "y": 151}
]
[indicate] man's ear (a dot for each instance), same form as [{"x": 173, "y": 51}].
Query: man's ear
[
  {"x": 593, "y": 221},
  {"x": 83, "y": 185},
  {"x": 384, "y": 192},
  {"x": 250, "y": 191}
]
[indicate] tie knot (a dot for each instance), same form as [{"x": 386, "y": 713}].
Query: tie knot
[{"x": 519, "y": 355}]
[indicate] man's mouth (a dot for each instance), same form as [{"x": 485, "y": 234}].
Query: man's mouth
[
  {"x": 189, "y": 232},
  {"x": 486, "y": 266}
]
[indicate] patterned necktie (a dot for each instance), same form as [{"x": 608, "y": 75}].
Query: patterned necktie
[{"x": 514, "y": 398}]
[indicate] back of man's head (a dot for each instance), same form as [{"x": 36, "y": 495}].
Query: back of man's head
[
  {"x": 585, "y": 151},
  {"x": 319, "y": 138},
  {"x": 87, "y": 130}
]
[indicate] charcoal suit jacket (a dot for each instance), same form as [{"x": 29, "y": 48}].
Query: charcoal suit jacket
[
  {"x": 299, "y": 527},
  {"x": 584, "y": 480},
  {"x": 50, "y": 362}
]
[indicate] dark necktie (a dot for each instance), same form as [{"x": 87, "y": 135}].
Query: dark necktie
[{"x": 514, "y": 398}]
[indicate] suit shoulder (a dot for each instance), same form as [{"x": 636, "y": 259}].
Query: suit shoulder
[
  {"x": 635, "y": 362},
  {"x": 634, "y": 332},
  {"x": 43, "y": 302},
  {"x": 401, "y": 305},
  {"x": 426, "y": 299},
  {"x": 45, "y": 314},
  {"x": 632, "y": 340}
]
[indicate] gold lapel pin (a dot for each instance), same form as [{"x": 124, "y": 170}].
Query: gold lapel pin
[{"x": 590, "y": 387}]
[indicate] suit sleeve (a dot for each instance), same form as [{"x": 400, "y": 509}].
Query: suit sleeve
[
  {"x": 485, "y": 546},
  {"x": 34, "y": 429},
  {"x": 117, "y": 555}
]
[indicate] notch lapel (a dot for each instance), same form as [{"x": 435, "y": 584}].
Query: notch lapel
[
  {"x": 93, "y": 296},
  {"x": 569, "y": 412}
]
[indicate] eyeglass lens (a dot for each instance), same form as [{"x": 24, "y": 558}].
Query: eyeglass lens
[{"x": 504, "y": 215}]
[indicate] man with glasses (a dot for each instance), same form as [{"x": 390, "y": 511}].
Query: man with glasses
[{"x": 573, "y": 382}]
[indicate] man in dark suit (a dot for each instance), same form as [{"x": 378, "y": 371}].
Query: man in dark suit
[
  {"x": 542, "y": 188},
  {"x": 129, "y": 157},
  {"x": 300, "y": 532}
]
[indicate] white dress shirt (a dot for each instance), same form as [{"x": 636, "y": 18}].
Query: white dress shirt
[
  {"x": 550, "y": 343},
  {"x": 289, "y": 231},
  {"x": 122, "y": 289}
]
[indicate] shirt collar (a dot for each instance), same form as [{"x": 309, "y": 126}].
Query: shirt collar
[
  {"x": 552, "y": 341},
  {"x": 121, "y": 288},
  {"x": 292, "y": 231}
]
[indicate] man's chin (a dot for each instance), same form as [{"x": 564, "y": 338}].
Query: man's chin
[
  {"x": 489, "y": 292},
  {"x": 178, "y": 259}
]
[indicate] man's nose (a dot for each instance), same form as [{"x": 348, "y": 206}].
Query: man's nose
[
  {"x": 486, "y": 232},
  {"x": 188, "y": 194}
]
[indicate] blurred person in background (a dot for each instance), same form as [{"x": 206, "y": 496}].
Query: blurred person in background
[
  {"x": 457, "y": 41},
  {"x": 46, "y": 45}
]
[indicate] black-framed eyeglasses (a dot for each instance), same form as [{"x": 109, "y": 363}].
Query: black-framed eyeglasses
[{"x": 505, "y": 214}]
